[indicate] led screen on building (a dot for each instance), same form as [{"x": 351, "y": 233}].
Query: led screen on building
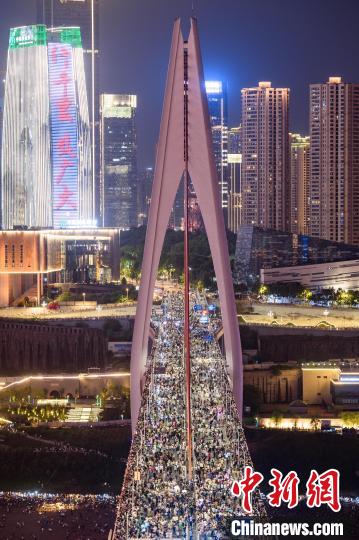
[{"x": 64, "y": 135}]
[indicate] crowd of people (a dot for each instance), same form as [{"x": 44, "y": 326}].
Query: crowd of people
[
  {"x": 67, "y": 449},
  {"x": 46, "y": 516},
  {"x": 160, "y": 497}
]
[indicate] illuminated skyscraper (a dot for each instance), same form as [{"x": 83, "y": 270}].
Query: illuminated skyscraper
[
  {"x": 265, "y": 158},
  {"x": 119, "y": 161},
  {"x": 217, "y": 106},
  {"x": 334, "y": 161},
  {"x": 299, "y": 183},
  {"x": 46, "y": 148},
  {"x": 86, "y": 15}
]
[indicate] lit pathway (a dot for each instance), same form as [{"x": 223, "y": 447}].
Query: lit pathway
[{"x": 157, "y": 499}]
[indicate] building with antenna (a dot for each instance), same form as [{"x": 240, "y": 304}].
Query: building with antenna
[{"x": 217, "y": 104}]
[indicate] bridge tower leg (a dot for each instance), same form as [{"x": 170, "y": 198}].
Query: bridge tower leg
[{"x": 169, "y": 169}]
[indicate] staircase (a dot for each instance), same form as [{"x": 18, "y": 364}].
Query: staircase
[{"x": 83, "y": 414}]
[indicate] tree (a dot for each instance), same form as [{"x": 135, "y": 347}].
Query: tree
[
  {"x": 263, "y": 290},
  {"x": 315, "y": 422},
  {"x": 350, "y": 418},
  {"x": 306, "y": 295},
  {"x": 345, "y": 298},
  {"x": 276, "y": 417},
  {"x": 66, "y": 296}
]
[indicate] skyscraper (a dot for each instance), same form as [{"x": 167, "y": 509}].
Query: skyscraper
[
  {"x": 119, "y": 206},
  {"x": 299, "y": 183},
  {"x": 334, "y": 161},
  {"x": 46, "y": 146},
  {"x": 234, "y": 177},
  {"x": 85, "y": 15},
  {"x": 145, "y": 180},
  {"x": 217, "y": 105},
  {"x": 265, "y": 156}
]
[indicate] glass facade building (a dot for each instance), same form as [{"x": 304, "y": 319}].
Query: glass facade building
[
  {"x": 218, "y": 112},
  {"x": 86, "y": 15},
  {"x": 46, "y": 146},
  {"x": 119, "y": 183},
  {"x": 259, "y": 248}
]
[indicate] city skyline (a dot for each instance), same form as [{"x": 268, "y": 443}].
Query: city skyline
[
  {"x": 142, "y": 353},
  {"x": 249, "y": 51}
]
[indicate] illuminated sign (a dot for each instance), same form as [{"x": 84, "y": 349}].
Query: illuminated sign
[
  {"x": 27, "y": 36},
  {"x": 64, "y": 135},
  {"x": 213, "y": 87}
]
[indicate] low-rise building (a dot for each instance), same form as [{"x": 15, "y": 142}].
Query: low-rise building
[
  {"x": 335, "y": 275},
  {"x": 317, "y": 383},
  {"x": 267, "y": 253},
  {"x": 30, "y": 259}
]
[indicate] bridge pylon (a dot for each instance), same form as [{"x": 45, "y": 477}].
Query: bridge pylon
[{"x": 169, "y": 169}]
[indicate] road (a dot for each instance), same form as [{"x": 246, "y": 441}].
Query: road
[
  {"x": 282, "y": 314},
  {"x": 78, "y": 312},
  {"x": 302, "y": 316}
]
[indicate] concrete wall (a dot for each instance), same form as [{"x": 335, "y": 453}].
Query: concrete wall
[
  {"x": 29, "y": 348},
  {"x": 316, "y": 384},
  {"x": 281, "y": 388}
]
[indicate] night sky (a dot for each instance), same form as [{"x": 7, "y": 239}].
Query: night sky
[{"x": 290, "y": 42}]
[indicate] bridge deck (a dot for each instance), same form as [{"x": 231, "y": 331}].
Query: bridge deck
[{"x": 157, "y": 499}]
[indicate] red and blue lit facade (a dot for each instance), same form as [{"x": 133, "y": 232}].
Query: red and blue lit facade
[
  {"x": 47, "y": 175},
  {"x": 64, "y": 135}
]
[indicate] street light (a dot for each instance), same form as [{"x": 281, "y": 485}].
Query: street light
[
  {"x": 84, "y": 297},
  {"x": 127, "y": 292}
]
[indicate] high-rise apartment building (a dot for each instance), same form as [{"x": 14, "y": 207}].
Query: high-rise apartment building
[
  {"x": 265, "y": 156},
  {"x": 46, "y": 145},
  {"x": 119, "y": 183},
  {"x": 217, "y": 105},
  {"x": 234, "y": 177},
  {"x": 334, "y": 161},
  {"x": 85, "y": 15},
  {"x": 299, "y": 183}
]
